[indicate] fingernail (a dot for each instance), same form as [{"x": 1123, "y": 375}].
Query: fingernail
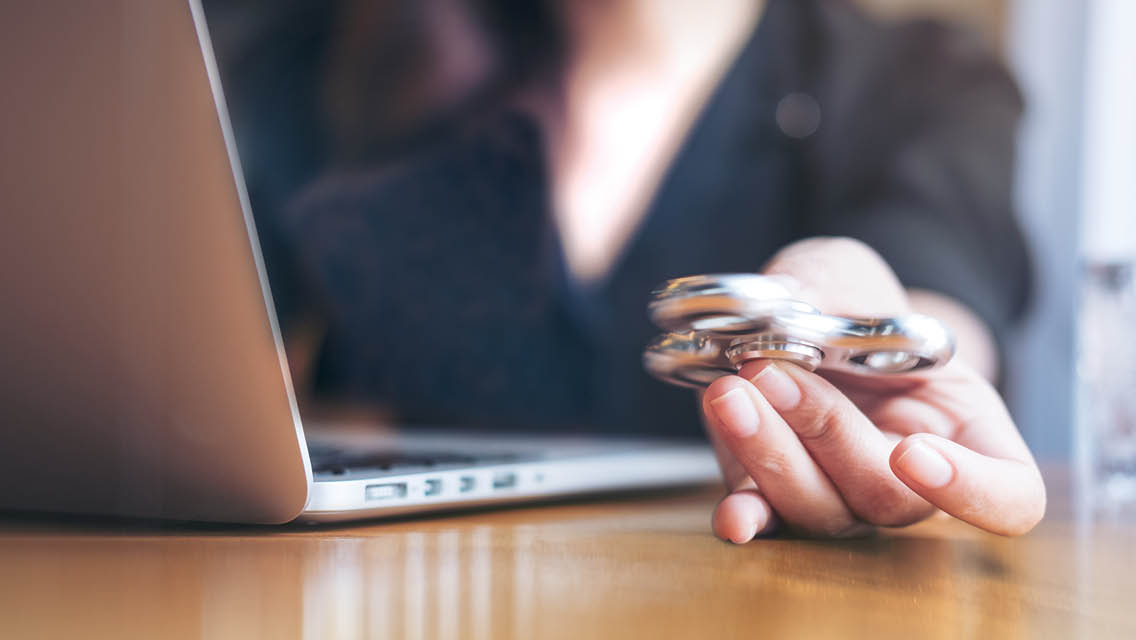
[
  {"x": 925, "y": 466},
  {"x": 735, "y": 412},
  {"x": 778, "y": 388},
  {"x": 750, "y": 534}
]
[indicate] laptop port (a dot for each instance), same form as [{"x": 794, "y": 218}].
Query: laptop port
[
  {"x": 467, "y": 484},
  {"x": 504, "y": 480},
  {"x": 433, "y": 487},
  {"x": 385, "y": 491}
]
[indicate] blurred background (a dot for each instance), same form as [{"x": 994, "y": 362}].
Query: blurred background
[{"x": 293, "y": 76}]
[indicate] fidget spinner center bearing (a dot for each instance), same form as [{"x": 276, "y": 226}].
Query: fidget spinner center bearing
[{"x": 716, "y": 323}]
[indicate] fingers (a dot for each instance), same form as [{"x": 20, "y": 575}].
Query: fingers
[
  {"x": 790, "y": 481},
  {"x": 742, "y": 516},
  {"x": 1004, "y": 496},
  {"x": 744, "y": 513},
  {"x": 840, "y": 275},
  {"x": 733, "y": 473},
  {"x": 823, "y": 467},
  {"x": 846, "y": 444},
  {"x": 998, "y": 485}
]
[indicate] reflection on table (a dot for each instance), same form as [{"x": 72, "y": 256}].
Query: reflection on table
[{"x": 622, "y": 566}]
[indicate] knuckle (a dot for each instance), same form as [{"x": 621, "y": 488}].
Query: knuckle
[
  {"x": 827, "y": 244},
  {"x": 822, "y": 423},
  {"x": 837, "y": 523},
  {"x": 773, "y": 463},
  {"x": 845, "y": 244},
  {"x": 888, "y": 506},
  {"x": 799, "y": 254},
  {"x": 843, "y": 528},
  {"x": 824, "y": 248}
]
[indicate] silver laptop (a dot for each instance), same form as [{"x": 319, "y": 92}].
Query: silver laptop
[{"x": 141, "y": 369}]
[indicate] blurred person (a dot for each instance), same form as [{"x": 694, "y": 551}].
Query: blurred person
[{"x": 503, "y": 181}]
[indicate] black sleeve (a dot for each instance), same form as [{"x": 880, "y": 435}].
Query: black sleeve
[{"x": 914, "y": 156}]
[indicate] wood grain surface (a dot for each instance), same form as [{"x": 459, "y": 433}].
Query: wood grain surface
[{"x": 626, "y": 566}]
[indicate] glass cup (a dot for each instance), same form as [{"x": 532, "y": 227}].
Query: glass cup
[{"x": 1105, "y": 461}]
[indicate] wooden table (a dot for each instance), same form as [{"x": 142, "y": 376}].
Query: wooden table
[{"x": 622, "y": 567}]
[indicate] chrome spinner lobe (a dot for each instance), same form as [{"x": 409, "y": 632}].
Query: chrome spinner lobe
[{"x": 714, "y": 324}]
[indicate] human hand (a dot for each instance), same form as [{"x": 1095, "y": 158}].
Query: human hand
[{"x": 833, "y": 455}]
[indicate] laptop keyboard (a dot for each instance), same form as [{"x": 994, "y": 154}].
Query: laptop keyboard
[{"x": 334, "y": 461}]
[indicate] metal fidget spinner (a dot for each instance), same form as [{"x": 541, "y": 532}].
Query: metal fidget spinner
[{"x": 717, "y": 323}]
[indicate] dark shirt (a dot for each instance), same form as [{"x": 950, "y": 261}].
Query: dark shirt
[{"x": 445, "y": 291}]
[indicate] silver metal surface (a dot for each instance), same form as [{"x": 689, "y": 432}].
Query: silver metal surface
[
  {"x": 142, "y": 372},
  {"x": 723, "y": 304},
  {"x": 547, "y": 467},
  {"x": 717, "y": 323},
  {"x": 746, "y": 348}
]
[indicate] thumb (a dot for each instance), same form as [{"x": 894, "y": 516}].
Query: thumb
[
  {"x": 1000, "y": 495},
  {"x": 841, "y": 276}
]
